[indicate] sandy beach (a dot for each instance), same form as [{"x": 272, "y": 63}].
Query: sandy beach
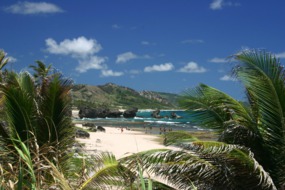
[{"x": 120, "y": 143}]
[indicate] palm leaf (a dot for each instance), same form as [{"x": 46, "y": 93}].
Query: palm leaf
[
  {"x": 208, "y": 165},
  {"x": 211, "y": 108},
  {"x": 108, "y": 172},
  {"x": 20, "y": 106},
  {"x": 263, "y": 77},
  {"x": 54, "y": 120}
]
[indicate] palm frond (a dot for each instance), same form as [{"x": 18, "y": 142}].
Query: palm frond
[
  {"x": 211, "y": 108},
  {"x": 3, "y": 60},
  {"x": 19, "y": 105},
  {"x": 178, "y": 137},
  {"x": 263, "y": 77},
  {"x": 109, "y": 172},
  {"x": 54, "y": 120},
  {"x": 208, "y": 165}
]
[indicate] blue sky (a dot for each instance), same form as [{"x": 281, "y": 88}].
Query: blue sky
[{"x": 160, "y": 45}]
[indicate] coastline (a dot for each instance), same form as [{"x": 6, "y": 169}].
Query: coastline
[{"x": 120, "y": 143}]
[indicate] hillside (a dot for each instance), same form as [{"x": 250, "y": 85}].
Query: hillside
[{"x": 114, "y": 96}]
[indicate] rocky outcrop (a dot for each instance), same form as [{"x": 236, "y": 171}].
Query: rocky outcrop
[
  {"x": 81, "y": 134},
  {"x": 98, "y": 113},
  {"x": 155, "y": 114},
  {"x": 103, "y": 113},
  {"x": 174, "y": 116},
  {"x": 130, "y": 113}
]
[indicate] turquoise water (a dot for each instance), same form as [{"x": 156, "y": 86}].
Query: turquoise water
[{"x": 144, "y": 120}]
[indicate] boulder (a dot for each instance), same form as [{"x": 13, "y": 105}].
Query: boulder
[
  {"x": 88, "y": 124},
  {"x": 100, "y": 128},
  {"x": 87, "y": 113},
  {"x": 173, "y": 115},
  {"x": 114, "y": 113},
  {"x": 98, "y": 113},
  {"x": 155, "y": 114},
  {"x": 130, "y": 113},
  {"x": 81, "y": 134}
]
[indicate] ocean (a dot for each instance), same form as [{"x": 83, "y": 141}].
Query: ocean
[{"x": 144, "y": 121}]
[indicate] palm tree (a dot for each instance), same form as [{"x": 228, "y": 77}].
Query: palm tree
[
  {"x": 258, "y": 125},
  {"x": 40, "y": 120},
  {"x": 253, "y": 132}
]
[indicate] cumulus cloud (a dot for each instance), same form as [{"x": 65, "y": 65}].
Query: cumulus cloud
[
  {"x": 227, "y": 78},
  {"x": 27, "y": 8},
  {"x": 218, "y": 60},
  {"x": 219, "y": 4},
  {"x": 192, "y": 67},
  {"x": 281, "y": 55},
  {"x": 124, "y": 57},
  {"x": 110, "y": 73},
  {"x": 78, "y": 47},
  {"x": 93, "y": 62},
  {"x": 159, "y": 68},
  {"x": 81, "y": 49}
]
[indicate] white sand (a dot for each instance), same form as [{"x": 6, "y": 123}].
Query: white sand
[{"x": 120, "y": 143}]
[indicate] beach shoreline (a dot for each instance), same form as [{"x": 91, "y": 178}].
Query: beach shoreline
[{"x": 119, "y": 141}]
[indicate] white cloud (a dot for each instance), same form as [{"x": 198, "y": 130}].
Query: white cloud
[
  {"x": 216, "y": 4},
  {"x": 124, "y": 57},
  {"x": 93, "y": 62},
  {"x": 110, "y": 73},
  {"x": 192, "y": 67},
  {"x": 280, "y": 55},
  {"x": 33, "y": 8},
  {"x": 78, "y": 47},
  {"x": 219, "y": 4},
  {"x": 227, "y": 78},
  {"x": 81, "y": 49},
  {"x": 159, "y": 68},
  {"x": 218, "y": 60},
  {"x": 12, "y": 59},
  {"x": 193, "y": 41}
]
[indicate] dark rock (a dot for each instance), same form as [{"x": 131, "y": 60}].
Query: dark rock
[
  {"x": 100, "y": 128},
  {"x": 92, "y": 129},
  {"x": 114, "y": 114},
  {"x": 82, "y": 134},
  {"x": 174, "y": 116},
  {"x": 89, "y": 125},
  {"x": 98, "y": 113},
  {"x": 130, "y": 113},
  {"x": 155, "y": 114},
  {"x": 87, "y": 112}
]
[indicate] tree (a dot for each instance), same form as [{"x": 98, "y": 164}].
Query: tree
[
  {"x": 253, "y": 132},
  {"x": 258, "y": 125},
  {"x": 38, "y": 125}
]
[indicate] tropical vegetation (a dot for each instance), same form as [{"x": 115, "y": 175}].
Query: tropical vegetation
[
  {"x": 250, "y": 151},
  {"x": 37, "y": 136}
]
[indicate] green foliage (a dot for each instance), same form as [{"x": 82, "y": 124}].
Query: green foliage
[
  {"x": 38, "y": 128},
  {"x": 178, "y": 137},
  {"x": 259, "y": 123},
  {"x": 114, "y": 96},
  {"x": 206, "y": 165}
]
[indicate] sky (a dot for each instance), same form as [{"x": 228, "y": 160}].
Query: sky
[{"x": 158, "y": 45}]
